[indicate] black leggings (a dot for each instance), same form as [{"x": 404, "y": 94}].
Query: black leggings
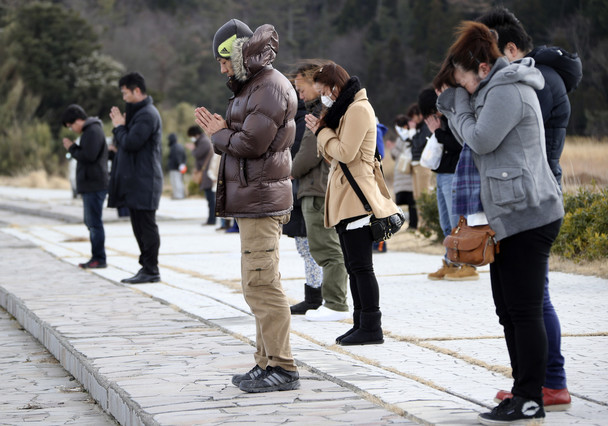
[
  {"x": 357, "y": 250},
  {"x": 518, "y": 284}
]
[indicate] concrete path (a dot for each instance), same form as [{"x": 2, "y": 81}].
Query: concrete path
[{"x": 164, "y": 353}]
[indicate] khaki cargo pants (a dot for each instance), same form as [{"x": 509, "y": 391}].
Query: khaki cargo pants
[{"x": 263, "y": 292}]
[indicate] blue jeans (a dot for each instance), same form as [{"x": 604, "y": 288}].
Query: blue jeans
[
  {"x": 556, "y": 375},
  {"x": 93, "y": 207},
  {"x": 447, "y": 219},
  {"x": 210, "y": 196}
]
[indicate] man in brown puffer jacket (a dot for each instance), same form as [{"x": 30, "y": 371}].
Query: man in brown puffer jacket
[{"x": 254, "y": 187}]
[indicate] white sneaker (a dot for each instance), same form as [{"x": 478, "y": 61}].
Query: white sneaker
[{"x": 326, "y": 314}]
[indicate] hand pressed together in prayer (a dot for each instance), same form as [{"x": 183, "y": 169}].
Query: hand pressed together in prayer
[
  {"x": 209, "y": 122},
  {"x": 312, "y": 122},
  {"x": 117, "y": 118}
]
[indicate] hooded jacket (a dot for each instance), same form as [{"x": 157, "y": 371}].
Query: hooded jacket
[
  {"x": 562, "y": 72},
  {"x": 177, "y": 153},
  {"x": 137, "y": 177},
  {"x": 254, "y": 170},
  {"x": 502, "y": 123},
  {"x": 92, "y": 158}
]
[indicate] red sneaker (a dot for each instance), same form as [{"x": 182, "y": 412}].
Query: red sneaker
[
  {"x": 553, "y": 399},
  {"x": 92, "y": 264}
]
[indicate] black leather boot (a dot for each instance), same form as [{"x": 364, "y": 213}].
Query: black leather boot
[
  {"x": 356, "y": 323},
  {"x": 312, "y": 300},
  {"x": 369, "y": 332}
]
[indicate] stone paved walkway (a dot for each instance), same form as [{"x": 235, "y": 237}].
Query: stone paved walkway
[{"x": 164, "y": 353}]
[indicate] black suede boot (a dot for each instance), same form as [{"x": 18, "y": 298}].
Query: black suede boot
[
  {"x": 369, "y": 332},
  {"x": 356, "y": 323},
  {"x": 312, "y": 300}
]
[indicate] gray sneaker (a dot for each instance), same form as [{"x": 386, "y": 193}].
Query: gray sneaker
[
  {"x": 275, "y": 379},
  {"x": 255, "y": 373}
]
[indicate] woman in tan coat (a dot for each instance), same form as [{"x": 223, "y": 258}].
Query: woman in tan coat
[{"x": 346, "y": 132}]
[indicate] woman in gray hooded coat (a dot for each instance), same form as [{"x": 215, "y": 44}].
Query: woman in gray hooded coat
[{"x": 495, "y": 111}]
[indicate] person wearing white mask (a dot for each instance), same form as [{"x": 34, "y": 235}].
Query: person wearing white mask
[
  {"x": 346, "y": 133},
  {"x": 401, "y": 151}
]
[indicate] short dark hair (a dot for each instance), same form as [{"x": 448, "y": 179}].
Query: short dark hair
[
  {"x": 73, "y": 113},
  {"x": 401, "y": 120},
  {"x": 413, "y": 110},
  {"x": 133, "y": 80},
  {"x": 194, "y": 131},
  {"x": 427, "y": 101},
  {"x": 508, "y": 27}
]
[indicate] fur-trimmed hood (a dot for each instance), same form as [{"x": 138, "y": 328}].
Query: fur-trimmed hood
[{"x": 251, "y": 54}]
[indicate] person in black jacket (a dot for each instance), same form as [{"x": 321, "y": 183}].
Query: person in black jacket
[
  {"x": 438, "y": 126},
  {"x": 562, "y": 72},
  {"x": 137, "y": 179},
  {"x": 91, "y": 176}
]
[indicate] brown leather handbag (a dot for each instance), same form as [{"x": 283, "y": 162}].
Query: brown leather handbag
[{"x": 471, "y": 245}]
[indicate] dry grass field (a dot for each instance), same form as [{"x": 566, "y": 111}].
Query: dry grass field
[{"x": 584, "y": 163}]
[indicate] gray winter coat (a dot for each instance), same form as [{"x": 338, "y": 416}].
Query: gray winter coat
[
  {"x": 402, "y": 182},
  {"x": 503, "y": 125}
]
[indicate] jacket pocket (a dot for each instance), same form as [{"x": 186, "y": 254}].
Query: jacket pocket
[
  {"x": 506, "y": 185},
  {"x": 242, "y": 172}
]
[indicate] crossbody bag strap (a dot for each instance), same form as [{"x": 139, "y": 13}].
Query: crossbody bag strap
[{"x": 355, "y": 186}]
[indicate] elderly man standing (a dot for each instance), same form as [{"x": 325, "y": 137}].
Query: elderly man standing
[{"x": 254, "y": 187}]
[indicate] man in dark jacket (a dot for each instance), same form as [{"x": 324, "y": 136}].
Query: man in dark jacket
[
  {"x": 254, "y": 187},
  {"x": 137, "y": 179},
  {"x": 91, "y": 176},
  {"x": 562, "y": 72}
]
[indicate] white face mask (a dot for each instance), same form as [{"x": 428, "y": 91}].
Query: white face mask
[
  {"x": 327, "y": 101},
  {"x": 403, "y": 133},
  {"x": 192, "y": 139}
]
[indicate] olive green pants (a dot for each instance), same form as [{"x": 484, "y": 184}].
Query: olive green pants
[{"x": 325, "y": 249}]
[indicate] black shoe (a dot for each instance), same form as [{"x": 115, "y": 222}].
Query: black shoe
[
  {"x": 275, "y": 379},
  {"x": 313, "y": 299},
  {"x": 348, "y": 333},
  {"x": 142, "y": 277},
  {"x": 515, "y": 411},
  {"x": 369, "y": 332},
  {"x": 255, "y": 373},
  {"x": 93, "y": 264},
  {"x": 356, "y": 325}
]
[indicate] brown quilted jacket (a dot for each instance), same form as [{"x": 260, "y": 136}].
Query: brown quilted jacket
[{"x": 254, "y": 171}]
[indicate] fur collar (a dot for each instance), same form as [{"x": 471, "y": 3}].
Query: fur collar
[
  {"x": 346, "y": 97},
  {"x": 238, "y": 63}
]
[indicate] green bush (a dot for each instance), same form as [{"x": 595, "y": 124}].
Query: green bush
[
  {"x": 429, "y": 215},
  {"x": 584, "y": 233}
]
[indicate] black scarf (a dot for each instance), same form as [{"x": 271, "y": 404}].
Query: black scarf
[{"x": 346, "y": 97}]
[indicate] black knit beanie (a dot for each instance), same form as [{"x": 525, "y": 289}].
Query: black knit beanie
[{"x": 225, "y": 36}]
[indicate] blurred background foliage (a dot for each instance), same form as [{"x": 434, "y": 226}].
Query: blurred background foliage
[{"x": 55, "y": 53}]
